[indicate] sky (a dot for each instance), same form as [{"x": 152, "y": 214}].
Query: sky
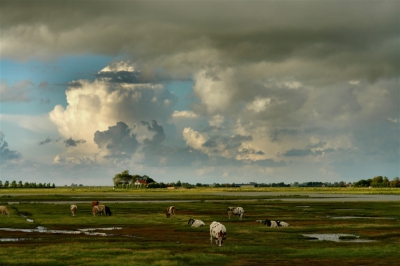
[{"x": 199, "y": 91}]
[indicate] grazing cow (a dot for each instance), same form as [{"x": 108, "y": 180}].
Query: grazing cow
[
  {"x": 98, "y": 209},
  {"x": 94, "y": 203},
  {"x": 170, "y": 211},
  {"x": 217, "y": 232},
  {"x": 73, "y": 209},
  {"x": 108, "y": 211},
  {"x": 196, "y": 223},
  {"x": 235, "y": 211},
  {"x": 270, "y": 223},
  {"x": 4, "y": 211}
]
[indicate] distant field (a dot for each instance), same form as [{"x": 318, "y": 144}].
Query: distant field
[{"x": 140, "y": 234}]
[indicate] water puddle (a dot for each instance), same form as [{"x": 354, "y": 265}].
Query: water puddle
[
  {"x": 85, "y": 231},
  {"x": 17, "y": 239},
  {"x": 337, "y": 238},
  {"x": 360, "y": 217},
  {"x": 349, "y": 209}
]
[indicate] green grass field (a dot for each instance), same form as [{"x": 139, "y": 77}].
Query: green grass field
[{"x": 144, "y": 236}]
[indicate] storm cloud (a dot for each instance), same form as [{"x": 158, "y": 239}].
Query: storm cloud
[
  {"x": 118, "y": 141},
  {"x": 271, "y": 86},
  {"x": 71, "y": 142}
]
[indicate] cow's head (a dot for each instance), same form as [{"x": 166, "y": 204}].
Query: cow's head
[
  {"x": 267, "y": 223},
  {"x": 221, "y": 237},
  {"x": 191, "y": 221}
]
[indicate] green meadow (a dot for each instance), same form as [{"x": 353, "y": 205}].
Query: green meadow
[{"x": 138, "y": 232}]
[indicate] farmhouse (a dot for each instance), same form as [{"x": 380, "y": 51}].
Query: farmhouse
[{"x": 141, "y": 183}]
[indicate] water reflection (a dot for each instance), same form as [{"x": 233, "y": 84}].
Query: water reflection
[
  {"x": 85, "y": 231},
  {"x": 337, "y": 237}
]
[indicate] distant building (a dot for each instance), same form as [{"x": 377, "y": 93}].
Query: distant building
[
  {"x": 141, "y": 183},
  {"x": 250, "y": 184}
]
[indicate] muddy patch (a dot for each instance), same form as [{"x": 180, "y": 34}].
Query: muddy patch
[{"x": 336, "y": 238}]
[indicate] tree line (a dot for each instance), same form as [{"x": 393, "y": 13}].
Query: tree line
[
  {"x": 14, "y": 184},
  {"x": 378, "y": 181},
  {"x": 125, "y": 180}
]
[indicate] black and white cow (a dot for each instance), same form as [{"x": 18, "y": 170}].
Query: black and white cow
[
  {"x": 270, "y": 223},
  {"x": 196, "y": 223},
  {"x": 217, "y": 232},
  {"x": 235, "y": 211}
]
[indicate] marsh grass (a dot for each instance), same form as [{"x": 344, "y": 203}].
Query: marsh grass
[{"x": 147, "y": 237}]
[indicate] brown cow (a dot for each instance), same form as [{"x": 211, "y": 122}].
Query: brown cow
[
  {"x": 94, "y": 203},
  {"x": 101, "y": 209},
  {"x": 4, "y": 210},
  {"x": 73, "y": 209}
]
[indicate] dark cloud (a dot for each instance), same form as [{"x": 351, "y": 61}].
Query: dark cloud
[
  {"x": 306, "y": 152},
  {"x": 246, "y": 151},
  {"x": 159, "y": 135},
  {"x": 241, "y": 32},
  {"x": 73, "y": 143},
  {"x": 134, "y": 77},
  {"x": 48, "y": 140},
  {"x": 18, "y": 92},
  {"x": 274, "y": 136},
  {"x": 121, "y": 76},
  {"x": 5, "y": 153},
  {"x": 233, "y": 142},
  {"x": 118, "y": 141}
]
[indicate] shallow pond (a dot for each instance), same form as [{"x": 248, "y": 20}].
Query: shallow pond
[
  {"x": 86, "y": 231},
  {"x": 336, "y": 237}
]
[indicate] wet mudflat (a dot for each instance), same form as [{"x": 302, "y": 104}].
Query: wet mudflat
[{"x": 138, "y": 233}]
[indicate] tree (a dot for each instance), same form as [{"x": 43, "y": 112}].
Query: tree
[
  {"x": 395, "y": 182},
  {"x": 19, "y": 184},
  {"x": 124, "y": 176},
  {"x": 148, "y": 179},
  {"x": 385, "y": 182},
  {"x": 6, "y": 184},
  {"x": 26, "y": 184},
  {"x": 377, "y": 181},
  {"x": 1, "y": 183},
  {"x": 14, "y": 184}
]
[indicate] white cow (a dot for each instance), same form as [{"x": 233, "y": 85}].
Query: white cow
[
  {"x": 217, "y": 232},
  {"x": 235, "y": 211},
  {"x": 4, "y": 210},
  {"x": 73, "y": 209},
  {"x": 196, "y": 223},
  {"x": 270, "y": 223},
  {"x": 170, "y": 211},
  {"x": 101, "y": 209}
]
